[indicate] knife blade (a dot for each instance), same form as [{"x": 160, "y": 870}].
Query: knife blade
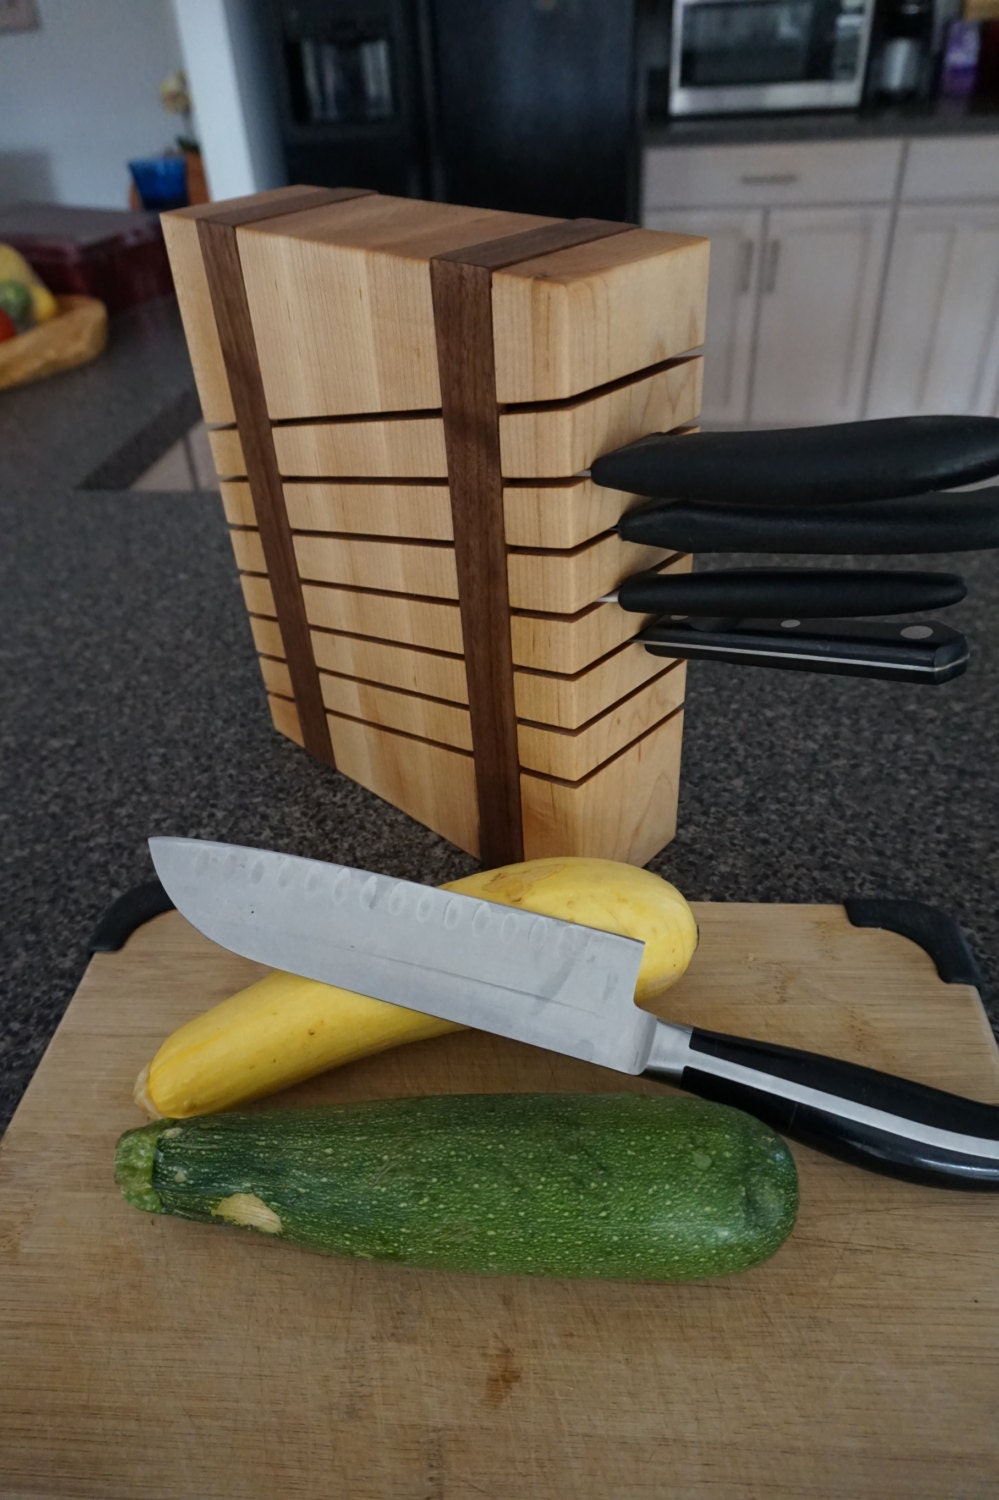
[
  {"x": 938, "y": 522},
  {"x": 802, "y": 466},
  {"x": 567, "y": 988},
  {"x": 737, "y": 592},
  {"x": 493, "y": 967}
]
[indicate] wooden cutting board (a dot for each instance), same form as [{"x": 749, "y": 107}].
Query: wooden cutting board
[{"x": 150, "y": 1359}]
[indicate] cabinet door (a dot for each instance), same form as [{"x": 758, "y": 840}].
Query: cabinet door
[
  {"x": 736, "y": 239},
  {"x": 821, "y": 276},
  {"x": 938, "y": 343}
]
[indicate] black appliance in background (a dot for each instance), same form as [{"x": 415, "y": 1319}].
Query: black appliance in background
[
  {"x": 350, "y": 89},
  {"x": 901, "y": 64},
  {"x": 525, "y": 105},
  {"x": 536, "y": 105}
]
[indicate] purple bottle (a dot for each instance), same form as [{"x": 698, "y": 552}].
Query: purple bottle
[{"x": 960, "y": 63}]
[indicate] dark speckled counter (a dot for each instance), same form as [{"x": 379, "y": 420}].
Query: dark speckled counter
[
  {"x": 132, "y": 705},
  {"x": 945, "y": 117}
]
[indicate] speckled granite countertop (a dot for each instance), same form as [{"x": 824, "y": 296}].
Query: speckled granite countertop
[
  {"x": 901, "y": 121},
  {"x": 132, "y": 705}
]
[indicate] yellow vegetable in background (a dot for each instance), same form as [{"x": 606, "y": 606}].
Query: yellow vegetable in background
[
  {"x": 285, "y": 1029},
  {"x": 14, "y": 267}
]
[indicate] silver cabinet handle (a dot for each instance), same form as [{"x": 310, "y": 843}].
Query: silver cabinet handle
[
  {"x": 769, "y": 179},
  {"x": 770, "y": 270},
  {"x": 747, "y": 254}
]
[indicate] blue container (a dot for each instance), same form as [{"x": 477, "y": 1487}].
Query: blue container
[{"x": 161, "y": 182}]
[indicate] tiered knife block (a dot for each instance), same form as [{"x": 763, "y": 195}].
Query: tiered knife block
[{"x": 404, "y": 398}]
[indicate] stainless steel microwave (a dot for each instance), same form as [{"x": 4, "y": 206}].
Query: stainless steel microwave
[{"x": 747, "y": 55}]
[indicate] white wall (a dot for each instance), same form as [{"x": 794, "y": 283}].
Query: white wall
[
  {"x": 80, "y": 97},
  {"x": 227, "y": 72}
]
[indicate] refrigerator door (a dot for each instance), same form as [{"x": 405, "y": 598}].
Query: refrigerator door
[{"x": 535, "y": 106}]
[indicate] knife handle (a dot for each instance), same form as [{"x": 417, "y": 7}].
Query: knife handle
[
  {"x": 888, "y": 1124},
  {"x": 802, "y": 466},
  {"x": 967, "y": 522},
  {"x": 736, "y": 592},
  {"x": 845, "y": 648}
]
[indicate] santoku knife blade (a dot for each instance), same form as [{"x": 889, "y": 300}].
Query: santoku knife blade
[
  {"x": 533, "y": 978},
  {"x": 560, "y": 986}
]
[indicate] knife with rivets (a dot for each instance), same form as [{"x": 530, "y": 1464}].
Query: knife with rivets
[
  {"x": 923, "y": 652},
  {"x": 568, "y": 988},
  {"x": 802, "y": 620}
]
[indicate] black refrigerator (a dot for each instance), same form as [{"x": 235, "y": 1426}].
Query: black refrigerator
[{"x": 527, "y": 105}]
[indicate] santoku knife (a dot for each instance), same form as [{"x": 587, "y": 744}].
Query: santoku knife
[
  {"x": 564, "y": 987},
  {"x": 803, "y": 466}
]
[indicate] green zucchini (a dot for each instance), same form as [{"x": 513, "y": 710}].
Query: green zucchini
[{"x": 609, "y": 1185}]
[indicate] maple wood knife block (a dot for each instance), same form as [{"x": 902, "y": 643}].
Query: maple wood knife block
[{"x": 403, "y": 397}]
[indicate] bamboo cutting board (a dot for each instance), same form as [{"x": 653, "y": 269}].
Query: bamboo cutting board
[{"x": 150, "y": 1359}]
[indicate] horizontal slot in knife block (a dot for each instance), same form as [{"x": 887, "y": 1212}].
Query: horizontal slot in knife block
[{"x": 404, "y": 398}]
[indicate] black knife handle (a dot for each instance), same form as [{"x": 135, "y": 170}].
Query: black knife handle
[
  {"x": 888, "y": 1124},
  {"x": 845, "y": 648},
  {"x": 789, "y": 591},
  {"x": 802, "y": 466},
  {"x": 967, "y": 522}
]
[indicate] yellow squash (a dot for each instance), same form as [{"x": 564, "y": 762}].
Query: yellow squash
[
  {"x": 14, "y": 267},
  {"x": 285, "y": 1029}
]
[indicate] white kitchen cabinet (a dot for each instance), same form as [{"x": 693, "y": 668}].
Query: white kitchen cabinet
[
  {"x": 827, "y": 326},
  {"x": 736, "y": 243},
  {"x": 770, "y": 176},
  {"x": 938, "y": 341},
  {"x": 820, "y": 282},
  {"x": 951, "y": 168}
]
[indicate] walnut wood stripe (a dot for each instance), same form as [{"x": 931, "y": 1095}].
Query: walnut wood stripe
[
  {"x": 510, "y": 250},
  {"x": 461, "y": 283},
  {"x": 217, "y": 236},
  {"x": 279, "y": 208}
]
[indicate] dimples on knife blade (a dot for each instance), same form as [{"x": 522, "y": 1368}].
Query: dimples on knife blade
[{"x": 536, "y": 979}]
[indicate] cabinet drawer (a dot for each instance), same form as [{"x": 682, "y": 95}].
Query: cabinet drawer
[
  {"x": 945, "y": 170},
  {"x": 757, "y": 176}
]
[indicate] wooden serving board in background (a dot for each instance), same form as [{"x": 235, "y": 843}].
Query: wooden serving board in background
[{"x": 151, "y": 1359}]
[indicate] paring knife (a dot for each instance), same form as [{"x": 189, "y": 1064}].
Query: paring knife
[
  {"x": 944, "y": 522},
  {"x": 803, "y": 466},
  {"x": 560, "y": 986},
  {"x": 737, "y": 592}
]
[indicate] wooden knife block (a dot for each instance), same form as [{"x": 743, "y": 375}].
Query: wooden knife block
[{"x": 403, "y": 397}]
